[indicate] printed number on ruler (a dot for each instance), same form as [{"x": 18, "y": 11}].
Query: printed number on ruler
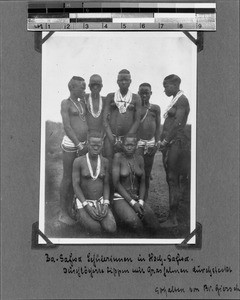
[{"x": 67, "y": 26}]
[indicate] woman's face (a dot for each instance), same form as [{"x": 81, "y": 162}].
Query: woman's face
[
  {"x": 170, "y": 88},
  {"x": 124, "y": 81},
  {"x": 79, "y": 89},
  {"x": 95, "y": 146},
  {"x": 95, "y": 88},
  {"x": 130, "y": 145}
]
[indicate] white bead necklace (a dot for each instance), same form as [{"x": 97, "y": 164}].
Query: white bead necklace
[
  {"x": 94, "y": 177},
  {"x": 121, "y": 102},
  {"x": 97, "y": 114},
  {"x": 81, "y": 113}
]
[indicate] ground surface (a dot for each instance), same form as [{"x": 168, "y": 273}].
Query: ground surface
[{"x": 158, "y": 195}]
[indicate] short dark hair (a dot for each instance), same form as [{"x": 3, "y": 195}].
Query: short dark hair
[
  {"x": 173, "y": 78},
  {"x": 94, "y": 133},
  {"x": 130, "y": 135},
  {"x": 71, "y": 83},
  {"x": 77, "y": 78},
  {"x": 124, "y": 71},
  {"x": 145, "y": 84}
]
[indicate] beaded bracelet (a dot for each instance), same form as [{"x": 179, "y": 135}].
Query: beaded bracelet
[
  {"x": 132, "y": 202},
  {"x": 164, "y": 142},
  {"x": 79, "y": 145},
  {"x": 106, "y": 201},
  {"x": 85, "y": 203}
]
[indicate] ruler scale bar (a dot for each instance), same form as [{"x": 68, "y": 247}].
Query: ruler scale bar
[
  {"x": 96, "y": 26},
  {"x": 122, "y": 10},
  {"x": 121, "y": 16}
]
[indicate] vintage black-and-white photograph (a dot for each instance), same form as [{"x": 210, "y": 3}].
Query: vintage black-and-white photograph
[{"x": 118, "y": 138}]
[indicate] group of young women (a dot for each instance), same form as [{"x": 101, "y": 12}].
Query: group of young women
[{"x": 103, "y": 171}]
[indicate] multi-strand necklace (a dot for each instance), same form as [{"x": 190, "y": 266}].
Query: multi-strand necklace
[
  {"x": 98, "y": 113},
  {"x": 122, "y": 102},
  {"x": 94, "y": 177},
  {"x": 132, "y": 173},
  {"x": 79, "y": 108}
]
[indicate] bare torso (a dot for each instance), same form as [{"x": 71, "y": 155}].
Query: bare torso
[
  {"x": 120, "y": 124},
  {"x": 148, "y": 127},
  {"x": 179, "y": 112},
  {"x": 130, "y": 174},
  {"x": 77, "y": 118},
  {"x": 94, "y": 123},
  {"x": 92, "y": 189}
]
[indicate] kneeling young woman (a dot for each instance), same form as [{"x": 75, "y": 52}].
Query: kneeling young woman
[
  {"x": 91, "y": 187},
  {"x": 129, "y": 182}
]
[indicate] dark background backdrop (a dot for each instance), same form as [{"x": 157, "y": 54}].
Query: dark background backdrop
[{"x": 24, "y": 273}]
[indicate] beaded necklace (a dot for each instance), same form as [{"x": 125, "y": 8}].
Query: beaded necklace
[
  {"x": 97, "y": 114},
  {"x": 94, "y": 177},
  {"x": 132, "y": 173},
  {"x": 121, "y": 102},
  {"x": 81, "y": 113}
]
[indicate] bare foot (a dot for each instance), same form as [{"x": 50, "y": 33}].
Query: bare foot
[
  {"x": 64, "y": 218},
  {"x": 169, "y": 224}
]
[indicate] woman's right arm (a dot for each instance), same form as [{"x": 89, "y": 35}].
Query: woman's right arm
[
  {"x": 66, "y": 122},
  {"x": 76, "y": 179}
]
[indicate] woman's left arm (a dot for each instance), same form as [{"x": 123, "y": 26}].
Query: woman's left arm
[{"x": 142, "y": 187}]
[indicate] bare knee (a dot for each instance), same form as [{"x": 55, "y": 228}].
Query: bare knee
[
  {"x": 109, "y": 226},
  {"x": 91, "y": 228},
  {"x": 88, "y": 224},
  {"x": 134, "y": 223},
  {"x": 109, "y": 223},
  {"x": 150, "y": 220}
]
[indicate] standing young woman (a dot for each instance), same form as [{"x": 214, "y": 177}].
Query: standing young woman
[{"x": 73, "y": 113}]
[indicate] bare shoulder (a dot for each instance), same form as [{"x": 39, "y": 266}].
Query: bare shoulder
[
  {"x": 110, "y": 96},
  {"x": 104, "y": 98},
  {"x": 65, "y": 104},
  {"x": 155, "y": 108},
  {"x": 108, "y": 99},
  {"x": 105, "y": 161},
  {"x": 79, "y": 161},
  {"x": 183, "y": 101},
  {"x": 136, "y": 97},
  {"x": 117, "y": 157}
]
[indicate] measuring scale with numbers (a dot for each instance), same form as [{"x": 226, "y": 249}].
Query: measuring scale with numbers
[{"x": 106, "y": 16}]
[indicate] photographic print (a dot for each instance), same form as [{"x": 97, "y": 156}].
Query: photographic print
[
  {"x": 91, "y": 208},
  {"x": 116, "y": 89}
]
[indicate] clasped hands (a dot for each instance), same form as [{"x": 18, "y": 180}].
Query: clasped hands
[
  {"x": 138, "y": 207},
  {"x": 97, "y": 213},
  {"x": 161, "y": 145}
]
